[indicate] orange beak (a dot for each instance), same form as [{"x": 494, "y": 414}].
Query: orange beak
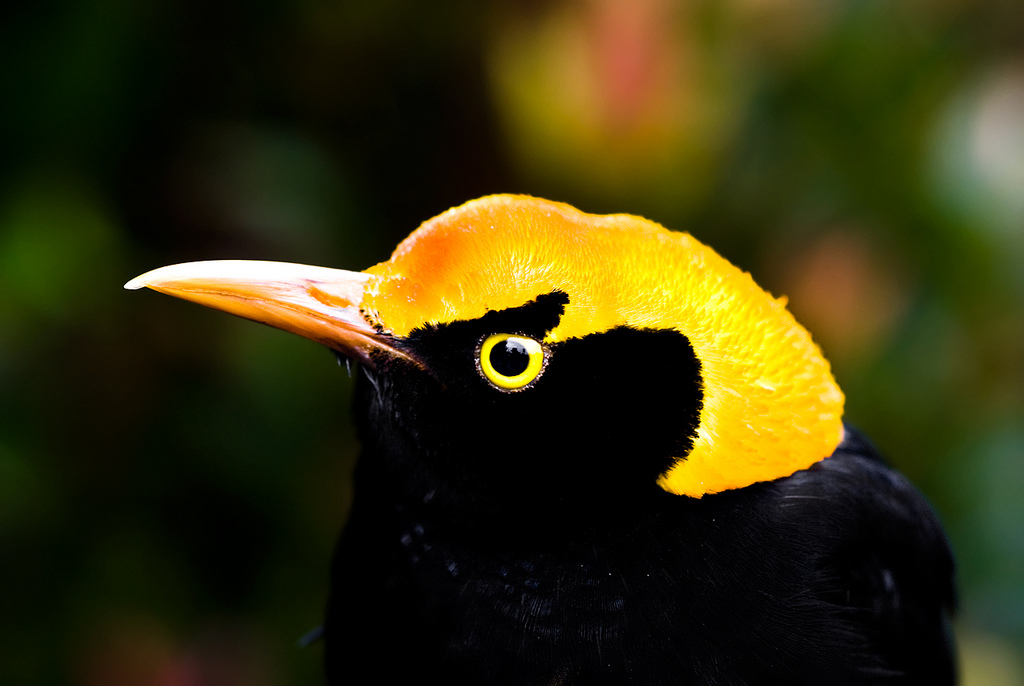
[{"x": 314, "y": 302}]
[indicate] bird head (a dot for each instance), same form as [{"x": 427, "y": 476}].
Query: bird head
[{"x": 516, "y": 348}]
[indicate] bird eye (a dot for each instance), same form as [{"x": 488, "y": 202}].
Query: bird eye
[{"x": 510, "y": 362}]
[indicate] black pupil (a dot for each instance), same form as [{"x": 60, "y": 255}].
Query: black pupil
[{"x": 510, "y": 358}]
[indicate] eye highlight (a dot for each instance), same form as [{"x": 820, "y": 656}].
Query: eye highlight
[{"x": 510, "y": 362}]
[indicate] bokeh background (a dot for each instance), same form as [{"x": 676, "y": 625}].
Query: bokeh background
[{"x": 172, "y": 479}]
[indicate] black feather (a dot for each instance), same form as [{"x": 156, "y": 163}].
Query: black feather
[{"x": 521, "y": 538}]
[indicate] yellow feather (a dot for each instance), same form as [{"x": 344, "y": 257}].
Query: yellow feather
[{"x": 771, "y": 406}]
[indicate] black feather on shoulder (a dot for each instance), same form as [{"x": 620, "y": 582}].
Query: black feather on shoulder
[{"x": 888, "y": 566}]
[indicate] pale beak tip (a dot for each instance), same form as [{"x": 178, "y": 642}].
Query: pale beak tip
[
  {"x": 154, "y": 277},
  {"x": 136, "y": 283}
]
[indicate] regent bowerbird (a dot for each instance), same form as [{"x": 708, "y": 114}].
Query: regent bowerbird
[{"x": 595, "y": 452}]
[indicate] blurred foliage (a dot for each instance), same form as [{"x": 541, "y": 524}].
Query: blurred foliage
[{"x": 172, "y": 480}]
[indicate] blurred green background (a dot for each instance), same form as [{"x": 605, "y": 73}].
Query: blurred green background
[{"x": 172, "y": 479}]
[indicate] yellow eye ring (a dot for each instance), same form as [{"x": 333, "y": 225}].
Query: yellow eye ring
[{"x": 510, "y": 362}]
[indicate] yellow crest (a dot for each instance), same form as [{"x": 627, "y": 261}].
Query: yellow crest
[{"x": 771, "y": 406}]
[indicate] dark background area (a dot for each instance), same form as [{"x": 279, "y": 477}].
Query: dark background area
[{"x": 172, "y": 479}]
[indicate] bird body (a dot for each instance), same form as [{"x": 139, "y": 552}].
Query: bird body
[
  {"x": 836, "y": 575},
  {"x": 594, "y": 452}
]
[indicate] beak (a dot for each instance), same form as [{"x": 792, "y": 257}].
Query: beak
[{"x": 314, "y": 302}]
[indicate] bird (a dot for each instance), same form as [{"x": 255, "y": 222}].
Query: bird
[{"x": 596, "y": 452}]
